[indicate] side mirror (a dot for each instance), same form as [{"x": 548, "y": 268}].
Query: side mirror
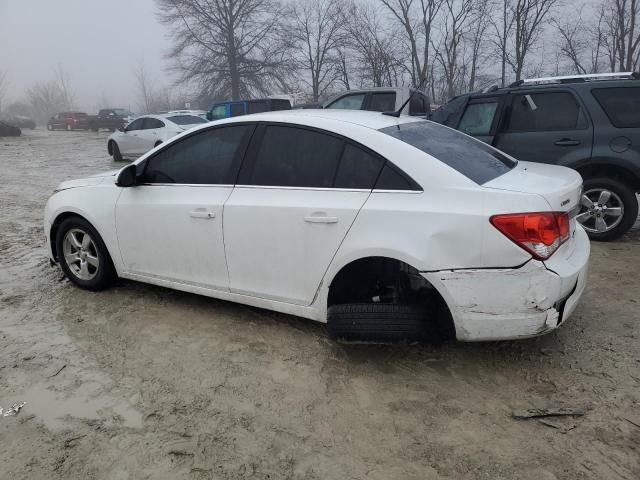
[
  {"x": 128, "y": 176},
  {"x": 122, "y": 129}
]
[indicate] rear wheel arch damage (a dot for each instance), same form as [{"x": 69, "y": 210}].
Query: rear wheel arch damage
[{"x": 386, "y": 295}]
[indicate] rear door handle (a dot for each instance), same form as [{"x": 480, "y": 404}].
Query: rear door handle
[
  {"x": 567, "y": 142},
  {"x": 202, "y": 213},
  {"x": 318, "y": 219}
]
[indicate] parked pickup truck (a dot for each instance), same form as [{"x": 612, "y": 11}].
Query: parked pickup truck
[{"x": 110, "y": 119}]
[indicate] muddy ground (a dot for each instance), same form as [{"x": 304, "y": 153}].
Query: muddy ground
[{"x": 144, "y": 382}]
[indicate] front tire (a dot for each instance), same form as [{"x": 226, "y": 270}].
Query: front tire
[
  {"x": 117, "y": 156},
  {"x": 83, "y": 256},
  {"x": 385, "y": 322},
  {"x": 609, "y": 208}
]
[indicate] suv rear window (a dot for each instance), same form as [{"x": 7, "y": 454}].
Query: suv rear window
[
  {"x": 622, "y": 105},
  {"x": 472, "y": 158}
]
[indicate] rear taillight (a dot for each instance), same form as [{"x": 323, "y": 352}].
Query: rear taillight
[{"x": 539, "y": 233}]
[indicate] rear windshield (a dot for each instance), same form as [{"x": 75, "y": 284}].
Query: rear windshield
[
  {"x": 622, "y": 105},
  {"x": 186, "y": 119},
  {"x": 469, "y": 156},
  {"x": 78, "y": 114}
]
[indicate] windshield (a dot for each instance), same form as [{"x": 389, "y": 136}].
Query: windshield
[
  {"x": 472, "y": 158},
  {"x": 186, "y": 119},
  {"x": 122, "y": 112}
]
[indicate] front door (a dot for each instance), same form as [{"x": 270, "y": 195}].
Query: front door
[
  {"x": 547, "y": 127},
  {"x": 292, "y": 208},
  {"x": 170, "y": 226},
  {"x": 150, "y": 135}
]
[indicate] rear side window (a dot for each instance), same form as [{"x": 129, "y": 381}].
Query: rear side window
[
  {"x": 418, "y": 105},
  {"x": 186, "y": 119},
  {"x": 544, "y": 112},
  {"x": 382, "y": 102},
  {"x": 204, "y": 158},
  {"x": 218, "y": 112},
  {"x": 151, "y": 123},
  {"x": 237, "y": 109},
  {"x": 258, "y": 106},
  {"x": 472, "y": 158},
  {"x": 349, "y": 102},
  {"x": 622, "y": 105},
  {"x": 358, "y": 168},
  {"x": 280, "y": 104},
  {"x": 478, "y": 118},
  {"x": 296, "y": 157}
]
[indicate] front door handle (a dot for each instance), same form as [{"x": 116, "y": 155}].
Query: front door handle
[
  {"x": 319, "y": 219},
  {"x": 567, "y": 142},
  {"x": 202, "y": 213}
]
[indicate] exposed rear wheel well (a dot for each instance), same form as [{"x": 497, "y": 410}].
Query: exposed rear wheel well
[
  {"x": 387, "y": 280},
  {"x": 611, "y": 171}
]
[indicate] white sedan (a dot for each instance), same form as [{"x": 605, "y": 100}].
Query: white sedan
[
  {"x": 383, "y": 227},
  {"x": 147, "y": 132}
]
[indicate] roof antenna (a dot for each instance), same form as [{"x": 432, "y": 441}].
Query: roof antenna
[{"x": 397, "y": 112}]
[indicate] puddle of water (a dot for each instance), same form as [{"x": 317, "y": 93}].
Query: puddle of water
[{"x": 86, "y": 402}]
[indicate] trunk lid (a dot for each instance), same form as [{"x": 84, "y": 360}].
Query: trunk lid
[{"x": 561, "y": 187}]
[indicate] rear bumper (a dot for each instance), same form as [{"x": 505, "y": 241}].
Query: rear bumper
[{"x": 502, "y": 304}]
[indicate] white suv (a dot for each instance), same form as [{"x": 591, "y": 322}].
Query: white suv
[{"x": 383, "y": 227}]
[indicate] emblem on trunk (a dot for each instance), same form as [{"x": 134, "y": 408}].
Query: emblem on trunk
[{"x": 565, "y": 202}]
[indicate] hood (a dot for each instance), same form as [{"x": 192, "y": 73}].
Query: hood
[
  {"x": 90, "y": 181},
  {"x": 561, "y": 187}
]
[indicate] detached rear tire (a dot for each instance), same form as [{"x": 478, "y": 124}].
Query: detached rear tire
[{"x": 379, "y": 322}]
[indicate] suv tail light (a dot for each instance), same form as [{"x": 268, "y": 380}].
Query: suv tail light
[{"x": 539, "y": 233}]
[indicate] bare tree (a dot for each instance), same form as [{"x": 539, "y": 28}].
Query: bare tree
[
  {"x": 64, "y": 85},
  {"x": 581, "y": 43},
  {"x": 379, "y": 56},
  {"x": 417, "y": 19},
  {"x": 145, "y": 89},
  {"x": 621, "y": 33},
  {"x": 224, "y": 47},
  {"x": 45, "y": 99},
  {"x": 456, "y": 24},
  {"x": 480, "y": 20},
  {"x": 529, "y": 17},
  {"x": 316, "y": 33}
]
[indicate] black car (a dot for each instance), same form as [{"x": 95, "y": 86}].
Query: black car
[
  {"x": 110, "y": 118},
  {"x": 587, "y": 122},
  {"x": 21, "y": 121}
]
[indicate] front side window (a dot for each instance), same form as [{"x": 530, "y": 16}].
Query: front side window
[
  {"x": 204, "y": 158},
  {"x": 622, "y": 105},
  {"x": 544, "y": 112},
  {"x": 296, "y": 157},
  {"x": 349, "y": 102},
  {"x": 478, "y": 118},
  {"x": 136, "y": 125},
  {"x": 383, "y": 102},
  {"x": 218, "y": 112},
  {"x": 448, "y": 113},
  {"x": 472, "y": 158}
]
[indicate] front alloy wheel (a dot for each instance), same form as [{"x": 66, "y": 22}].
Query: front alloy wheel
[{"x": 81, "y": 254}]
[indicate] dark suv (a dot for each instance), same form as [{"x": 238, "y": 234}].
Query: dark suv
[{"x": 588, "y": 122}]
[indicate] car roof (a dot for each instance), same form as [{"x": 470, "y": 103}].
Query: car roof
[{"x": 363, "y": 118}]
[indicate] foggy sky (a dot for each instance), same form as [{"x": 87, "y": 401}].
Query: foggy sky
[{"x": 98, "y": 43}]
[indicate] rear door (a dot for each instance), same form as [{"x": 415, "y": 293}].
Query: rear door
[
  {"x": 298, "y": 193},
  {"x": 150, "y": 134},
  {"x": 547, "y": 127},
  {"x": 128, "y": 141}
]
